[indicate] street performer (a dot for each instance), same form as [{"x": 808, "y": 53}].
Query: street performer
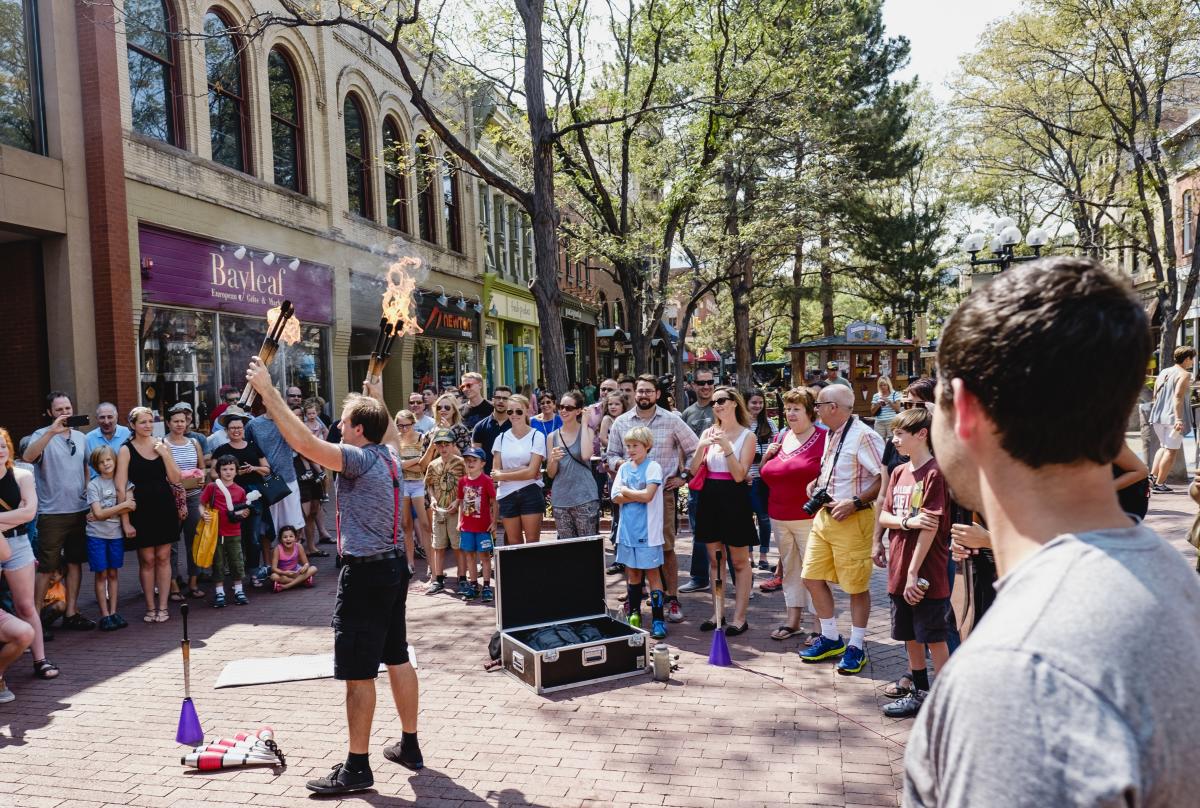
[{"x": 368, "y": 618}]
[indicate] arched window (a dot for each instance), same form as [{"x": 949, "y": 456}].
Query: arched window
[
  {"x": 226, "y": 93},
  {"x": 426, "y": 191},
  {"x": 358, "y": 175},
  {"x": 153, "y": 70},
  {"x": 395, "y": 186},
  {"x": 451, "y": 206},
  {"x": 1189, "y": 222},
  {"x": 287, "y": 134},
  {"x": 605, "y": 320}
]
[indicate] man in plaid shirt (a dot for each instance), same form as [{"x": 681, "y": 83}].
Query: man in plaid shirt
[{"x": 673, "y": 440}]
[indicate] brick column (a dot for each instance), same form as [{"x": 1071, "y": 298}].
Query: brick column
[{"x": 116, "y": 349}]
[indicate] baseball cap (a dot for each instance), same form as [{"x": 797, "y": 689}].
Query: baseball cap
[
  {"x": 831, "y": 366},
  {"x": 475, "y": 453},
  {"x": 443, "y": 436}
]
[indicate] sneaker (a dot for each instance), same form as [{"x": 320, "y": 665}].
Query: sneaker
[
  {"x": 823, "y": 648},
  {"x": 658, "y": 629},
  {"x": 6, "y": 695},
  {"x": 472, "y": 592},
  {"x": 763, "y": 565},
  {"x": 239, "y": 597},
  {"x": 407, "y": 753},
  {"x": 419, "y": 552},
  {"x": 436, "y": 587},
  {"x": 905, "y": 706},
  {"x": 488, "y": 595},
  {"x": 120, "y": 621},
  {"x": 108, "y": 624},
  {"x": 615, "y": 568},
  {"x": 342, "y": 781},
  {"x": 1159, "y": 488},
  {"x": 694, "y": 586},
  {"x": 77, "y": 622},
  {"x": 674, "y": 612},
  {"x": 463, "y": 588},
  {"x": 852, "y": 661},
  {"x": 219, "y": 601},
  {"x": 772, "y": 584}
]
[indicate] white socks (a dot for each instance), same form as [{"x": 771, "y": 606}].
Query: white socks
[
  {"x": 829, "y": 628},
  {"x": 237, "y": 586},
  {"x": 857, "y": 635}
]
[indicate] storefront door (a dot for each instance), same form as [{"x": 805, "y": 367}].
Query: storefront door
[{"x": 518, "y": 366}]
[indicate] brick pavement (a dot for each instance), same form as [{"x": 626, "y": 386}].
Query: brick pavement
[{"x": 771, "y": 732}]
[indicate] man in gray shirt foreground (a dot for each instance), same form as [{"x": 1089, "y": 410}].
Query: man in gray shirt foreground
[
  {"x": 368, "y": 618},
  {"x": 1072, "y": 690}
]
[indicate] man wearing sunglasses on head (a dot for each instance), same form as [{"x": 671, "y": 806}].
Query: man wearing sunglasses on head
[
  {"x": 477, "y": 407},
  {"x": 59, "y": 457}
]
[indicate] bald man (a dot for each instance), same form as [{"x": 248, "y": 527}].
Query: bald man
[{"x": 839, "y": 547}]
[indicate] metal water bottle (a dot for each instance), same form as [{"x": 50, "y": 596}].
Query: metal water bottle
[
  {"x": 922, "y": 584},
  {"x": 662, "y": 662}
]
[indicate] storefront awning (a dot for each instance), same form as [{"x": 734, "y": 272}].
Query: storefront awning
[
  {"x": 615, "y": 334},
  {"x": 708, "y": 355}
]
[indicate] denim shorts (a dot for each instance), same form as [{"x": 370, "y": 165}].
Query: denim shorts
[
  {"x": 522, "y": 502},
  {"x": 22, "y": 554},
  {"x": 472, "y": 542},
  {"x": 105, "y": 554}
]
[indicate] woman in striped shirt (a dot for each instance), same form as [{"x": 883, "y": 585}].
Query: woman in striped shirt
[{"x": 189, "y": 456}]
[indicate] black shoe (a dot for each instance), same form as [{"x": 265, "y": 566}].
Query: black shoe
[
  {"x": 406, "y": 753},
  {"x": 342, "y": 781},
  {"x": 616, "y": 568},
  {"x": 77, "y": 622}
]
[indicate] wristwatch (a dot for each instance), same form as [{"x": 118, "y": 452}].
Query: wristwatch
[
  {"x": 859, "y": 504},
  {"x": 685, "y": 475}
]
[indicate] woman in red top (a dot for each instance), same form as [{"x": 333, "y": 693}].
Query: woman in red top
[{"x": 789, "y": 465}]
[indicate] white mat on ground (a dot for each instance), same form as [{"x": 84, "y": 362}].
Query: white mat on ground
[{"x": 271, "y": 670}]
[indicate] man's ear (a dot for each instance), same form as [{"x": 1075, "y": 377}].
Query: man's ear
[{"x": 969, "y": 416}]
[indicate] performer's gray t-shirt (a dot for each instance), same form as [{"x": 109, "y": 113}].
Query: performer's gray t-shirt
[
  {"x": 366, "y": 501},
  {"x": 1074, "y": 689}
]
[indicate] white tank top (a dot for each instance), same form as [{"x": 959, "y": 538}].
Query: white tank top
[{"x": 716, "y": 456}]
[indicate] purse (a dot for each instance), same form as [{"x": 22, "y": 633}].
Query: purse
[
  {"x": 274, "y": 488},
  {"x": 204, "y": 544},
  {"x": 180, "y": 501},
  {"x": 696, "y": 481}
]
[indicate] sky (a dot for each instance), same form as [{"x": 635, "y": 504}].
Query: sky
[{"x": 940, "y": 32}]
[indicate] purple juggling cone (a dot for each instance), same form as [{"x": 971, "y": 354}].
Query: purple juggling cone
[
  {"x": 189, "y": 731},
  {"x": 719, "y": 654}
]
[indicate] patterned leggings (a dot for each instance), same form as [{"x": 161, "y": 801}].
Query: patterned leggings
[{"x": 578, "y": 520}]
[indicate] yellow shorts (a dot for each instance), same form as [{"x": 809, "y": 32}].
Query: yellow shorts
[{"x": 840, "y": 552}]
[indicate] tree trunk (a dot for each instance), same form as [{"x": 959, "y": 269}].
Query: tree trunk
[
  {"x": 544, "y": 214},
  {"x": 739, "y": 289},
  {"x": 826, "y": 287}
]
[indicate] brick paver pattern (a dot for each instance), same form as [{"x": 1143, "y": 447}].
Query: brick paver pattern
[{"x": 770, "y": 731}]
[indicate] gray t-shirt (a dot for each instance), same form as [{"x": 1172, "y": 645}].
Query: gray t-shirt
[
  {"x": 104, "y": 492},
  {"x": 1072, "y": 688},
  {"x": 266, "y": 434},
  {"x": 574, "y": 483},
  {"x": 366, "y": 501},
  {"x": 698, "y": 418},
  {"x": 59, "y": 473}
]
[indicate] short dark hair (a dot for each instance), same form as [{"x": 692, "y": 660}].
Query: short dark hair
[
  {"x": 913, "y": 421},
  {"x": 1016, "y": 344},
  {"x": 368, "y": 413},
  {"x": 923, "y": 388},
  {"x": 501, "y": 387},
  {"x": 224, "y": 460},
  {"x": 56, "y": 394},
  {"x": 647, "y": 377},
  {"x": 1183, "y": 353}
]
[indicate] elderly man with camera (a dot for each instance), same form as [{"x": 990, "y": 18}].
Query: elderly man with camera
[{"x": 839, "y": 547}]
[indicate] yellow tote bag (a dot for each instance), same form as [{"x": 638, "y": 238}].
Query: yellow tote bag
[{"x": 205, "y": 543}]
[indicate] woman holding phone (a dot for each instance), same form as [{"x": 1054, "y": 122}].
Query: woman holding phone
[{"x": 576, "y": 501}]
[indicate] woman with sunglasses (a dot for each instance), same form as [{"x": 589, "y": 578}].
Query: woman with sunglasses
[
  {"x": 517, "y": 471},
  {"x": 723, "y": 513},
  {"x": 548, "y": 419},
  {"x": 413, "y": 464},
  {"x": 448, "y": 416},
  {"x": 146, "y": 461},
  {"x": 576, "y": 501}
]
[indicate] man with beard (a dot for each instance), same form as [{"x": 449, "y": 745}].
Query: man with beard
[{"x": 1067, "y": 692}]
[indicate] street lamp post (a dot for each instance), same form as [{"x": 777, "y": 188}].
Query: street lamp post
[{"x": 1006, "y": 236}]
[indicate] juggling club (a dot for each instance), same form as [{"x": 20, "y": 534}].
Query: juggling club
[
  {"x": 241, "y": 750},
  {"x": 211, "y": 761}
]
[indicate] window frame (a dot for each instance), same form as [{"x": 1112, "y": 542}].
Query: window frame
[
  {"x": 452, "y": 206},
  {"x": 1189, "y": 221},
  {"x": 427, "y": 189},
  {"x": 296, "y": 126},
  {"x": 243, "y": 100},
  {"x": 395, "y": 172},
  {"x": 174, "y": 119},
  {"x": 367, "y": 208}
]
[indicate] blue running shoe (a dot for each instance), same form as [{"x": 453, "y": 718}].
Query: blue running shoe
[
  {"x": 852, "y": 661},
  {"x": 823, "y": 648},
  {"x": 658, "y": 629}
]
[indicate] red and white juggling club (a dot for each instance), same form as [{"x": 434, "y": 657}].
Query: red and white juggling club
[{"x": 211, "y": 761}]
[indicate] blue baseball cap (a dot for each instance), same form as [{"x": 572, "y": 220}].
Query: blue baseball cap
[{"x": 475, "y": 453}]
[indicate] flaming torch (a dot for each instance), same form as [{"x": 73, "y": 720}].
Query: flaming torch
[
  {"x": 282, "y": 326},
  {"x": 398, "y": 319}
]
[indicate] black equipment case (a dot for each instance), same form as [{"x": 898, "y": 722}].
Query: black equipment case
[{"x": 556, "y": 588}]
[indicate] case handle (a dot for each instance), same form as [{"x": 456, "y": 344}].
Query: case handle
[{"x": 595, "y": 655}]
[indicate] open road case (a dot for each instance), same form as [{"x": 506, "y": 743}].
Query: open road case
[{"x": 555, "y": 630}]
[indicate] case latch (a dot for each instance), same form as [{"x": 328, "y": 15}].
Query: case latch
[
  {"x": 637, "y": 639},
  {"x": 550, "y": 655}
]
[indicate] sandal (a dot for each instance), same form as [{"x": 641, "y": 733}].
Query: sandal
[
  {"x": 151, "y": 616},
  {"x": 733, "y": 631},
  {"x": 897, "y": 689},
  {"x": 783, "y": 632},
  {"x": 319, "y": 554},
  {"x": 196, "y": 594},
  {"x": 175, "y": 597},
  {"x": 45, "y": 669},
  {"x": 163, "y": 616}
]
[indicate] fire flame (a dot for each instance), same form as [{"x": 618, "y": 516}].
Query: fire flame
[
  {"x": 398, "y": 305},
  {"x": 291, "y": 329}
]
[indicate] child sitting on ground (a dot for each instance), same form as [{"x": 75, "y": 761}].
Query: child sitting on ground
[
  {"x": 289, "y": 564},
  {"x": 915, "y": 512},
  {"x": 637, "y": 488},
  {"x": 229, "y": 500},
  {"x": 477, "y": 511},
  {"x": 105, "y": 541}
]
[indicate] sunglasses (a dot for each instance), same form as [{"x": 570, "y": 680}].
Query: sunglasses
[
  {"x": 708, "y": 383},
  {"x": 567, "y": 407},
  {"x": 608, "y": 389},
  {"x": 71, "y": 446},
  {"x": 404, "y": 426},
  {"x": 515, "y": 412},
  {"x": 722, "y": 400},
  {"x": 445, "y": 407},
  {"x": 906, "y": 405}
]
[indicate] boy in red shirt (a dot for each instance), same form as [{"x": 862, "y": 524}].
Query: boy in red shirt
[
  {"x": 229, "y": 500},
  {"x": 477, "y": 509},
  {"x": 915, "y": 514}
]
